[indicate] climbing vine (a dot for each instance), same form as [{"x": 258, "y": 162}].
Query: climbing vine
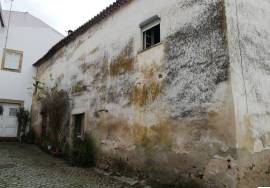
[{"x": 55, "y": 114}]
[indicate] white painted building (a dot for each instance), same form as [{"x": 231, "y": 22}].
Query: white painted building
[{"x": 23, "y": 40}]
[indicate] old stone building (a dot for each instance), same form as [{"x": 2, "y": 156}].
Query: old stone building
[{"x": 177, "y": 89}]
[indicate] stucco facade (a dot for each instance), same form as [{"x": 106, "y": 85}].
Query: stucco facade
[
  {"x": 248, "y": 44},
  {"x": 33, "y": 38},
  {"x": 176, "y": 111},
  {"x": 23, "y": 39}
]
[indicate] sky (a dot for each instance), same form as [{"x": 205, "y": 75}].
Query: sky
[{"x": 62, "y": 15}]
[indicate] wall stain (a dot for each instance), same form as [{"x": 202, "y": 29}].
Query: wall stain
[
  {"x": 184, "y": 142},
  {"x": 95, "y": 50},
  {"x": 146, "y": 93},
  {"x": 199, "y": 67},
  {"x": 124, "y": 62},
  {"x": 149, "y": 88},
  {"x": 190, "y": 3},
  {"x": 78, "y": 88}
]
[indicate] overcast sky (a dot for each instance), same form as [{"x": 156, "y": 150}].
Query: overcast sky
[{"x": 60, "y": 14}]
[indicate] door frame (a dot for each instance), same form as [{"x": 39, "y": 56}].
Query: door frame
[{"x": 11, "y": 101}]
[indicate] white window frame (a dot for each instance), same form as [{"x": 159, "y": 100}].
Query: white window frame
[
  {"x": 12, "y": 112},
  {"x": 5, "y": 51},
  {"x": 149, "y": 24}
]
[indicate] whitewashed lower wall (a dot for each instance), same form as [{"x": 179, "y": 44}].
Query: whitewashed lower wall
[{"x": 249, "y": 36}]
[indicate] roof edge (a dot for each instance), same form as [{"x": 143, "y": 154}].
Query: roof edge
[
  {"x": 82, "y": 29},
  {"x": 37, "y": 18},
  {"x": 49, "y": 26},
  {"x": 1, "y": 16}
]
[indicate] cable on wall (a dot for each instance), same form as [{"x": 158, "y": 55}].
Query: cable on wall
[{"x": 11, "y": 2}]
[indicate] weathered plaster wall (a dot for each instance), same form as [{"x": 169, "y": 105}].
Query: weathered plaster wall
[
  {"x": 167, "y": 111},
  {"x": 249, "y": 36}
]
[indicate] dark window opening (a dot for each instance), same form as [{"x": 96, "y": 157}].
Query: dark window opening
[
  {"x": 151, "y": 37},
  {"x": 1, "y": 110},
  {"x": 78, "y": 125}
]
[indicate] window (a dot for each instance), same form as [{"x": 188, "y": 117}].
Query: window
[
  {"x": 78, "y": 125},
  {"x": 151, "y": 32},
  {"x": 1, "y": 110},
  {"x": 13, "y": 112},
  {"x": 12, "y": 60},
  {"x": 151, "y": 37}
]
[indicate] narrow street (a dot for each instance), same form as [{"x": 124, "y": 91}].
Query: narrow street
[{"x": 26, "y": 166}]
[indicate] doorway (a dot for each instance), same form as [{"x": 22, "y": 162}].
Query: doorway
[{"x": 8, "y": 120}]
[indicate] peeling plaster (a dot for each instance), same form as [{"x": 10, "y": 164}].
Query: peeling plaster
[{"x": 178, "y": 109}]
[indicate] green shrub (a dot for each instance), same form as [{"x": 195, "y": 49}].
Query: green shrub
[
  {"x": 66, "y": 150},
  {"x": 30, "y": 137},
  {"x": 187, "y": 184},
  {"x": 83, "y": 153},
  {"x": 23, "y": 118},
  {"x": 55, "y": 105},
  {"x": 120, "y": 165}
]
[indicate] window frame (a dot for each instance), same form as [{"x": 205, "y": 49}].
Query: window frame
[
  {"x": 11, "y": 111},
  {"x": 152, "y": 36},
  {"x": 78, "y": 131},
  {"x": 1, "y": 110},
  {"x": 147, "y": 25},
  {"x": 5, "y": 51}
]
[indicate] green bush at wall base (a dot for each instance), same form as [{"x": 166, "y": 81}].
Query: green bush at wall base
[
  {"x": 83, "y": 153},
  {"x": 30, "y": 137},
  {"x": 188, "y": 184}
]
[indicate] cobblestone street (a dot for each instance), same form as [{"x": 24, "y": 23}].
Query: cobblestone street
[{"x": 26, "y": 166}]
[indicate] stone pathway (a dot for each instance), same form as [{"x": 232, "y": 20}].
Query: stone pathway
[{"x": 25, "y": 166}]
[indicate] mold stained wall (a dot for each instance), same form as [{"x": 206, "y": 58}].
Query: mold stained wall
[
  {"x": 167, "y": 111},
  {"x": 249, "y": 36}
]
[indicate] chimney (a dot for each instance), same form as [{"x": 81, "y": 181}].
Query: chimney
[{"x": 69, "y": 32}]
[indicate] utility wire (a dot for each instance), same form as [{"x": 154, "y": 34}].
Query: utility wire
[{"x": 11, "y": 2}]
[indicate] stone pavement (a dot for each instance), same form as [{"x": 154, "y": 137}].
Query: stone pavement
[{"x": 25, "y": 166}]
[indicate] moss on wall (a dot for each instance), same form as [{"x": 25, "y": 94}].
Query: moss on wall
[
  {"x": 163, "y": 118},
  {"x": 197, "y": 62},
  {"x": 78, "y": 88},
  {"x": 124, "y": 62},
  {"x": 146, "y": 93}
]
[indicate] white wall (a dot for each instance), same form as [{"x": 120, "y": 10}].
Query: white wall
[
  {"x": 249, "y": 49},
  {"x": 34, "y": 38},
  {"x": 186, "y": 114},
  {"x": 249, "y": 36}
]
